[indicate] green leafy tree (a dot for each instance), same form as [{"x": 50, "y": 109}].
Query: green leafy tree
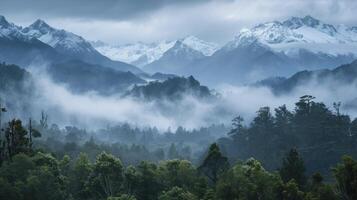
[
  {"x": 131, "y": 180},
  {"x": 45, "y": 159},
  {"x": 177, "y": 193},
  {"x": 43, "y": 184},
  {"x": 107, "y": 177},
  {"x": 8, "y": 191},
  {"x": 290, "y": 191},
  {"x": 319, "y": 190},
  {"x": 64, "y": 165},
  {"x": 46, "y": 181},
  {"x": 122, "y": 197},
  {"x": 247, "y": 181},
  {"x": 178, "y": 173},
  {"x": 79, "y": 177},
  {"x": 209, "y": 195},
  {"x": 201, "y": 187},
  {"x": 346, "y": 178},
  {"x": 149, "y": 184},
  {"x": 18, "y": 169}
]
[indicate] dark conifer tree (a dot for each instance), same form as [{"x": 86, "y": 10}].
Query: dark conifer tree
[
  {"x": 293, "y": 168},
  {"x": 214, "y": 164}
]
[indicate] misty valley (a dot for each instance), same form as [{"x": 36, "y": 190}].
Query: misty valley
[{"x": 268, "y": 115}]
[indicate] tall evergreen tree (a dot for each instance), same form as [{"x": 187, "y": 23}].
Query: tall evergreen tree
[
  {"x": 293, "y": 168},
  {"x": 214, "y": 164}
]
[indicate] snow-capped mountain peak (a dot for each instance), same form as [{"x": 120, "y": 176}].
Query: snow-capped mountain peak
[
  {"x": 41, "y": 26},
  {"x": 10, "y": 30},
  {"x": 296, "y": 33},
  {"x": 206, "y": 48},
  {"x": 297, "y": 22},
  {"x": 245, "y": 37},
  {"x": 182, "y": 49},
  {"x": 308, "y": 21},
  {"x": 59, "y": 39}
]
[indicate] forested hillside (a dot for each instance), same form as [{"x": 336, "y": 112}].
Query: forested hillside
[
  {"x": 174, "y": 88},
  {"x": 29, "y": 173},
  {"x": 321, "y": 134},
  {"x": 292, "y": 155},
  {"x": 335, "y": 78}
]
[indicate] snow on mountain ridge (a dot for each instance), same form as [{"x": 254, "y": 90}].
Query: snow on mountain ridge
[
  {"x": 300, "y": 33},
  {"x": 43, "y": 32},
  {"x": 10, "y": 30},
  {"x": 57, "y": 38},
  {"x": 206, "y": 48},
  {"x": 131, "y": 53},
  {"x": 41, "y": 26},
  {"x": 182, "y": 49},
  {"x": 141, "y": 54}
]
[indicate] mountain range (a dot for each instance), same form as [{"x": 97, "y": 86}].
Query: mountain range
[
  {"x": 18, "y": 88},
  {"x": 174, "y": 60},
  {"x": 68, "y": 58},
  {"x": 41, "y": 42},
  {"x": 141, "y": 54},
  {"x": 278, "y": 48}
]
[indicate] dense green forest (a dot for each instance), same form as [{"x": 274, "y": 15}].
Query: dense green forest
[
  {"x": 27, "y": 173},
  {"x": 132, "y": 145},
  {"x": 288, "y": 155},
  {"x": 321, "y": 134}
]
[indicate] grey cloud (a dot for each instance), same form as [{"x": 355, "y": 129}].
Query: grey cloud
[{"x": 89, "y": 9}]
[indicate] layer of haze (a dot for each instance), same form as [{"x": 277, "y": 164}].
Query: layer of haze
[{"x": 94, "y": 111}]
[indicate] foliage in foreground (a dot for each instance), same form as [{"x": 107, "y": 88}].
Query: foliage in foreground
[{"x": 40, "y": 176}]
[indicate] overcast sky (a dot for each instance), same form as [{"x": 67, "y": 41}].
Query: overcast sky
[{"x": 125, "y": 21}]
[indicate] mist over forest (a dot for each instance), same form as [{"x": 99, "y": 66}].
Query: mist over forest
[{"x": 269, "y": 113}]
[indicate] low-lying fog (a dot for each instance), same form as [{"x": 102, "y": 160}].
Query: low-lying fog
[{"x": 94, "y": 111}]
